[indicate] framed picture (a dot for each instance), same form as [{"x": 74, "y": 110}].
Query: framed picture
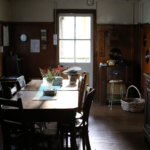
[{"x": 43, "y": 39}]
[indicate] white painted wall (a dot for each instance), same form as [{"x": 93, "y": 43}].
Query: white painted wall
[
  {"x": 117, "y": 12},
  {"x": 114, "y": 12},
  {"x": 144, "y": 11},
  {"x": 40, "y": 10},
  {"x": 4, "y": 10},
  {"x": 31, "y": 11},
  {"x": 75, "y": 5}
]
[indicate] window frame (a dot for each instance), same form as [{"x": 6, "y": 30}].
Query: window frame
[{"x": 75, "y": 39}]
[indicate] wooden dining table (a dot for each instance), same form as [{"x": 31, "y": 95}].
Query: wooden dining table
[
  {"x": 61, "y": 109},
  {"x": 35, "y": 85}
]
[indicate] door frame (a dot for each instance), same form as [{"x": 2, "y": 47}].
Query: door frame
[{"x": 82, "y": 11}]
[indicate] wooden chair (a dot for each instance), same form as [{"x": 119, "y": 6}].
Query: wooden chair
[
  {"x": 81, "y": 126},
  {"x": 1, "y": 90},
  {"x": 62, "y": 74},
  {"x": 81, "y": 86},
  {"x": 79, "y": 83},
  {"x": 87, "y": 91},
  {"x": 21, "y": 82},
  {"x": 12, "y": 91},
  {"x": 25, "y": 138},
  {"x": 81, "y": 90},
  {"x": 63, "y": 69}
]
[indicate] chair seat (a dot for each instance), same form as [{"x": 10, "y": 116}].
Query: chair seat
[
  {"x": 78, "y": 123},
  {"x": 79, "y": 115},
  {"x": 115, "y": 81}
]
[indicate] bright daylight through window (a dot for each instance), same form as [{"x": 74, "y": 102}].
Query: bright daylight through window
[{"x": 75, "y": 39}]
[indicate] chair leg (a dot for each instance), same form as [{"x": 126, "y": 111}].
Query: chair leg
[
  {"x": 6, "y": 144},
  {"x": 112, "y": 88},
  {"x": 58, "y": 128},
  {"x": 66, "y": 139},
  {"x": 109, "y": 101},
  {"x": 41, "y": 127},
  {"x": 109, "y": 97},
  {"x": 49, "y": 143},
  {"x": 61, "y": 139},
  {"x": 45, "y": 125},
  {"x": 121, "y": 91},
  {"x": 83, "y": 139},
  {"x": 87, "y": 139}
]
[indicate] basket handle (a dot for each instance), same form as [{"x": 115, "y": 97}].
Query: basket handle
[{"x": 135, "y": 88}]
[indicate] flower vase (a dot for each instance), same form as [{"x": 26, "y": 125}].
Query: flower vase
[
  {"x": 50, "y": 85},
  {"x": 44, "y": 80}
]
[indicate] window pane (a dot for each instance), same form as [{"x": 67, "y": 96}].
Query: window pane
[
  {"x": 83, "y": 50},
  {"x": 66, "y": 27},
  {"x": 66, "y": 51},
  {"x": 83, "y": 27}
]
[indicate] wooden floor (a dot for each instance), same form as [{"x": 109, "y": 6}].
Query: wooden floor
[
  {"x": 112, "y": 129},
  {"x": 116, "y": 129}
]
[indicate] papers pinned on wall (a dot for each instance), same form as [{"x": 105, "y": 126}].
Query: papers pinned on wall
[
  {"x": 35, "y": 46},
  {"x": 5, "y": 36}
]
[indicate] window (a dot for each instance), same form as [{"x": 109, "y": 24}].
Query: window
[{"x": 75, "y": 38}]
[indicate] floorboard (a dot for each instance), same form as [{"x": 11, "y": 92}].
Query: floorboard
[{"x": 110, "y": 129}]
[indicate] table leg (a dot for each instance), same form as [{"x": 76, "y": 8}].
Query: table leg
[
  {"x": 73, "y": 136},
  {"x": 73, "y": 143},
  {"x": 6, "y": 142}
]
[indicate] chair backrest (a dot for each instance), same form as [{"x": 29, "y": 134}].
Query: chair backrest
[
  {"x": 81, "y": 91},
  {"x": 87, "y": 105},
  {"x": 1, "y": 90},
  {"x": 62, "y": 74},
  {"x": 12, "y": 91},
  {"x": 8, "y": 124},
  {"x": 21, "y": 81},
  {"x": 80, "y": 81},
  {"x": 87, "y": 91}
]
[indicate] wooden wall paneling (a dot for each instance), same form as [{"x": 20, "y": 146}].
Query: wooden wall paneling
[
  {"x": 102, "y": 82},
  {"x": 1, "y": 54},
  {"x": 132, "y": 45},
  {"x": 32, "y": 61},
  {"x": 95, "y": 71},
  {"x": 145, "y": 67},
  {"x": 101, "y": 43},
  {"x": 137, "y": 59},
  {"x": 5, "y": 49},
  {"x": 126, "y": 44},
  {"x": 113, "y": 38},
  {"x": 99, "y": 59},
  {"x": 131, "y": 74}
]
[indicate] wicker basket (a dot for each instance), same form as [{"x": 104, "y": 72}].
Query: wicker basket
[{"x": 133, "y": 104}]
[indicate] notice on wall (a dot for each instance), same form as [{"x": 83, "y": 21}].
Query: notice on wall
[
  {"x": 35, "y": 46},
  {"x": 5, "y": 36}
]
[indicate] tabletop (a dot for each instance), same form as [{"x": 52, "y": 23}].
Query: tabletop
[
  {"x": 64, "y": 100},
  {"x": 35, "y": 85}
]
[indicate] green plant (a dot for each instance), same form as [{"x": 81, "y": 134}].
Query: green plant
[{"x": 50, "y": 74}]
